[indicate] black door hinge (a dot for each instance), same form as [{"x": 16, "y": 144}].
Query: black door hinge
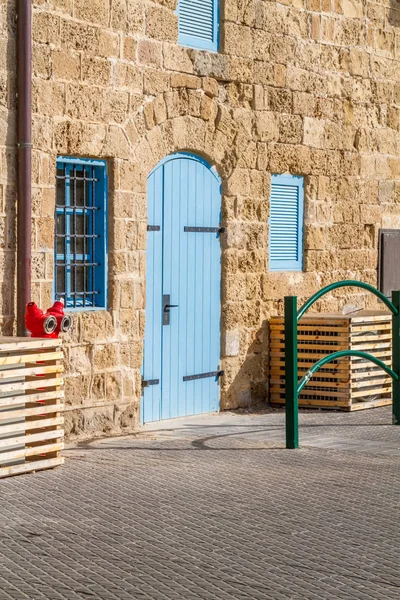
[
  {"x": 148, "y": 382},
  {"x": 216, "y": 374},
  {"x": 204, "y": 229}
]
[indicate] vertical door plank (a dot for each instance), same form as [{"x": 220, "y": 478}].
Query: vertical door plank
[{"x": 153, "y": 333}]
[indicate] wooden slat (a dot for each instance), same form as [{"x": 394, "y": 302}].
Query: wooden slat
[
  {"x": 366, "y": 319},
  {"x": 30, "y": 385},
  {"x": 8, "y": 345},
  {"x": 312, "y": 358},
  {"x": 345, "y": 385},
  {"x": 362, "y": 328},
  {"x": 384, "y": 355},
  {"x": 34, "y": 397},
  {"x": 17, "y": 359},
  {"x": 371, "y": 404},
  {"x": 326, "y": 393},
  {"x": 347, "y": 321},
  {"x": 372, "y": 392},
  {"x": 341, "y": 321},
  {"x": 329, "y": 369},
  {"x": 37, "y": 424},
  {"x": 302, "y": 347},
  {"x": 308, "y": 338},
  {"x": 30, "y": 412},
  {"x": 355, "y": 376},
  {"x": 276, "y": 384},
  {"x": 384, "y": 380},
  {"x": 30, "y": 451},
  {"x": 31, "y": 466},
  {"x": 316, "y": 403},
  {"x": 370, "y": 347},
  {"x": 387, "y": 337},
  {"x": 31, "y": 371},
  {"x": 335, "y": 405},
  {"x": 302, "y": 328},
  {"x": 305, "y": 357},
  {"x": 312, "y": 392},
  {"x": 30, "y": 438}
]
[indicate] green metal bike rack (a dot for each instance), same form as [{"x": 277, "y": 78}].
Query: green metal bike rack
[{"x": 293, "y": 386}]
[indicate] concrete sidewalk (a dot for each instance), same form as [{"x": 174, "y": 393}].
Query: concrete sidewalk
[
  {"x": 212, "y": 507},
  {"x": 363, "y": 431}
]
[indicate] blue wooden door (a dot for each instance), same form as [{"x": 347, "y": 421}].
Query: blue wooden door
[{"x": 182, "y": 340}]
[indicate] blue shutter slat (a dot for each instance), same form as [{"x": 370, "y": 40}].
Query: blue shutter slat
[
  {"x": 286, "y": 223},
  {"x": 198, "y": 23}
]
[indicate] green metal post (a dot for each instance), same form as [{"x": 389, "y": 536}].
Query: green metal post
[
  {"x": 291, "y": 373},
  {"x": 396, "y": 356}
]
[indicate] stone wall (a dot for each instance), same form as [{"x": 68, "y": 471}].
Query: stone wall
[
  {"x": 308, "y": 87},
  {"x": 8, "y": 177}
]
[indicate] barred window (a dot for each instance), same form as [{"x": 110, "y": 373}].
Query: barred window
[{"x": 80, "y": 233}]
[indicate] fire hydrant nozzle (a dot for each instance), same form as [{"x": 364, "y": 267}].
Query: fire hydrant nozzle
[{"x": 48, "y": 324}]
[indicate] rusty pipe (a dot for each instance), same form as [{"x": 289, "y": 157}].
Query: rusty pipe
[{"x": 24, "y": 185}]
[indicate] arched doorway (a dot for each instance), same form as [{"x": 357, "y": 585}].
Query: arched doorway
[{"x": 183, "y": 280}]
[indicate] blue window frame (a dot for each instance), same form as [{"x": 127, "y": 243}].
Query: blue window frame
[
  {"x": 286, "y": 223},
  {"x": 198, "y": 24},
  {"x": 81, "y": 233}
]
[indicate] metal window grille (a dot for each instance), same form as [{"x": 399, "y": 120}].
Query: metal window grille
[{"x": 80, "y": 233}]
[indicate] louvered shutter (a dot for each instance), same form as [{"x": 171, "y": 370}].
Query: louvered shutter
[
  {"x": 286, "y": 223},
  {"x": 198, "y": 23}
]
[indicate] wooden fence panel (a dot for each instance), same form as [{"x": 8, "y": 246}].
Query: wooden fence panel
[{"x": 31, "y": 405}]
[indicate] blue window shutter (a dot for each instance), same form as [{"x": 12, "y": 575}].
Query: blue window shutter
[
  {"x": 198, "y": 22},
  {"x": 286, "y": 223}
]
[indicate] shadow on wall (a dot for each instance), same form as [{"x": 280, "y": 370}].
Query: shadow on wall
[
  {"x": 393, "y": 13},
  {"x": 248, "y": 387},
  {"x": 8, "y": 116}
]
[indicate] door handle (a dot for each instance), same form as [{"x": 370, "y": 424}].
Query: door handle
[{"x": 166, "y": 308}]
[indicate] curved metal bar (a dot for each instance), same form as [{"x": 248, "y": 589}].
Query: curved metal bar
[
  {"x": 318, "y": 365},
  {"x": 349, "y": 283}
]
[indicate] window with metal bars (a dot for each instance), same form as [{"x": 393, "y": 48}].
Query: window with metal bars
[{"x": 81, "y": 233}]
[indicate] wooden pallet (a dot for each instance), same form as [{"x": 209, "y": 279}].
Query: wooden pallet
[
  {"x": 31, "y": 396},
  {"x": 347, "y": 384}
]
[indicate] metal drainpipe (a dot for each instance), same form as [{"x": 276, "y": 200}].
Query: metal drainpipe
[{"x": 24, "y": 204}]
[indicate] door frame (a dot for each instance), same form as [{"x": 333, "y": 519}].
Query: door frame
[{"x": 211, "y": 168}]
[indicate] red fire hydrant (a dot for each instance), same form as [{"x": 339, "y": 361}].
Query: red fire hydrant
[
  {"x": 39, "y": 324},
  {"x": 48, "y": 324},
  {"x": 64, "y": 322}
]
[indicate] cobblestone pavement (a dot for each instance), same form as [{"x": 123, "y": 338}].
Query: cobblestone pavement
[{"x": 212, "y": 508}]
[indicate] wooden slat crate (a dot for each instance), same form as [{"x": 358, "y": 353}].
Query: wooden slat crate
[
  {"x": 31, "y": 396},
  {"x": 348, "y": 384}
]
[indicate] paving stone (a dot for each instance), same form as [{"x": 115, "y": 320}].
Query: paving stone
[{"x": 212, "y": 508}]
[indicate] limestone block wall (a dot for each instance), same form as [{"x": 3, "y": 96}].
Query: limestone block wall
[
  {"x": 8, "y": 122},
  {"x": 308, "y": 87}
]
